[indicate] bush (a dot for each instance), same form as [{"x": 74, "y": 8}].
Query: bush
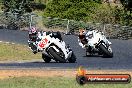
[
  {"x": 88, "y": 11},
  {"x": 71, "y": 9}
]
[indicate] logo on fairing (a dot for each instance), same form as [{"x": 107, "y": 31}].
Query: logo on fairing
[{"x": 43, "y": 43}]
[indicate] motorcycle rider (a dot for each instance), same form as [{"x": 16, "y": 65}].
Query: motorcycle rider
[
  {"x": 83, "y": 42},
  {"x": 82, "y": 38},
  {"x": 33, "y": 34}
]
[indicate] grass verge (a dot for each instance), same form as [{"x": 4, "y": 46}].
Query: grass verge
[
  {"x": 52, "y": 82},
  {"x": 15, "y": 52}
]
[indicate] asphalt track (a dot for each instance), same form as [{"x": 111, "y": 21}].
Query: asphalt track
[{"x": 122, "y": 54}]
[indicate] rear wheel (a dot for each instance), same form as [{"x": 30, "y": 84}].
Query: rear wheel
[
  {"x": 106, "y": 52},
  {"x": 46, "y": 58},
  {"x": 58, "y": 56}
]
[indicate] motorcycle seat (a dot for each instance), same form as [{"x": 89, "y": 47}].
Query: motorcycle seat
[{"x": 57, "y": 35}]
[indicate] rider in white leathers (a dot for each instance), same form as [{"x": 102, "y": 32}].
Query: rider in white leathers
[{"x": 34, "y": 36}]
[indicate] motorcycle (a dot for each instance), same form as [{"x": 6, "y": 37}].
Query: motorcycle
[
  {"x": 97, "y": 43},
  {"x": 53, "y": 47}
]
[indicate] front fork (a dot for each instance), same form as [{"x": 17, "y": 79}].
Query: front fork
[{"x": 107, "y": 45}]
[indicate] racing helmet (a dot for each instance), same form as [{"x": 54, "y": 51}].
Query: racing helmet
[
  {"x": 82, "y": 33},
  {"x": 33, "y": 30},
  {"x": 33, "y": 34},
  {"x": 82, "y": 36}
]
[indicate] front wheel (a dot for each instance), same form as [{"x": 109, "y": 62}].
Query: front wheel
[
  {"x": 107, "y": 52},
  {"x": 46, "y": 58},
  {"x": 57, "y": 56}
]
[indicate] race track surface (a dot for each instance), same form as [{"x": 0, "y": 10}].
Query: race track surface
[{"x": 122, "y": 54}]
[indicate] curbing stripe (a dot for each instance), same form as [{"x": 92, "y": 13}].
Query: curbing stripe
[
  {"x": 10, "y": 43},
  {"x": 7, "y": 42}
]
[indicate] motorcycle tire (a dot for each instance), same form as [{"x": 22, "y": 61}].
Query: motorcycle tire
[
  {"x": 72, "y": 59},
  {"x": 56, "y": 55},
  {"x": 106, "y": 53},
  {"x": 46, "y": 58}
]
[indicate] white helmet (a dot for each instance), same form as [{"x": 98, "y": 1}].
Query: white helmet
[{"x": 33, "y": 30}]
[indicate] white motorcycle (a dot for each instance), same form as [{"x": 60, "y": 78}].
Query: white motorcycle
[
  {"x": 53, "y": 47},
  {"x": 97, "y": 43}
]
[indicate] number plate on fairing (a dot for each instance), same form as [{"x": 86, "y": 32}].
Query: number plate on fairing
[{"x": 43, "y": 42}]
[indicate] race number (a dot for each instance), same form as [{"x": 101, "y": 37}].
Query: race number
[{"x": 43, "y": 43}]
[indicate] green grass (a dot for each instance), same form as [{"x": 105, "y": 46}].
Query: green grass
[
  {"x": 16, "y": 52},
  {"x": 57, "y": 82}
]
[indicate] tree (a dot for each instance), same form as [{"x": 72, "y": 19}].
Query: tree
[
  {"x": 127, "y": 4},
  {"x": 15, "y": 9},
  {"x": 17, "y": 6},
  {"x": 71, "y": 9},
  {"x": 21, "y": 6}
]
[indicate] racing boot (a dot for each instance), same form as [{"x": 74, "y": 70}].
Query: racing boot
[{"x": 33, "y": 47}]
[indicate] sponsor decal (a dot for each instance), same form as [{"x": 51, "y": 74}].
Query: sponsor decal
[{"x": 83, "y": 78}]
